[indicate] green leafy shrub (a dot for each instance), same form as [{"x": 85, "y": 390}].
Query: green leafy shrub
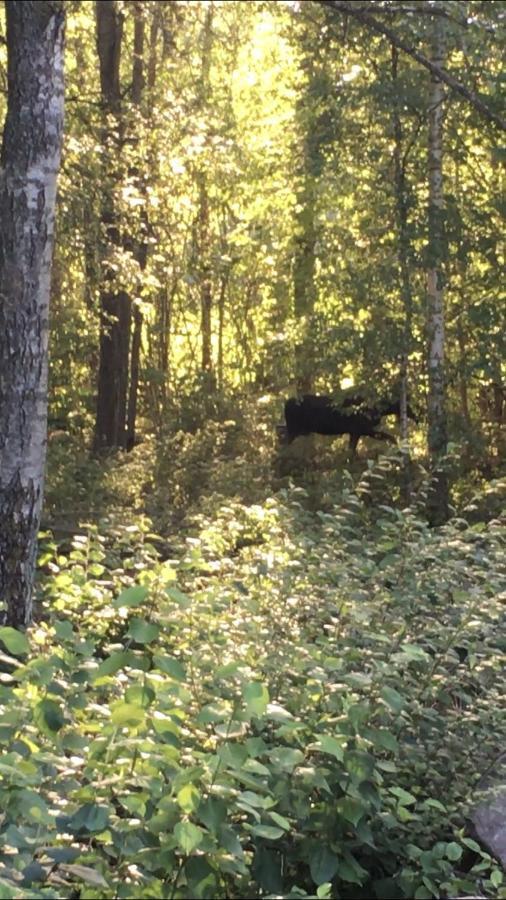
[{"x": 297, "y": 704}]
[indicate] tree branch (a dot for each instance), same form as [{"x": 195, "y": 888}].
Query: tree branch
[
  {"x": 417, "y": 10},
  {"x": 358, "y": 13}
]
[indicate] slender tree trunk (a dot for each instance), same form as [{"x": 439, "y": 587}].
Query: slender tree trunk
[
  {"x": 165, "y": 305},
  {"x": 404, "y": 273},
  {"x": 30, "y": 162},
  {"x": 115, "y": 304},
  {"x": 140, "y": 249},
  {"x": 204, "y": 230},
  {"x": 437, "y": 436},
  {"x": 463, "y": 365},
  {"x": 206, "y": 283}
]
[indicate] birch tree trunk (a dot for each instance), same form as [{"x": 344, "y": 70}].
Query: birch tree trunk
[
  {"x": 30, "y": 161},
  {"x": 437, "y": 431}
]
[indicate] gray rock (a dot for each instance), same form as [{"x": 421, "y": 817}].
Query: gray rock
[{"x": 489, "y": 812}]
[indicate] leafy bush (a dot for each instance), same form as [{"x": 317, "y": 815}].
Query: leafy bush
[{"x": 297, "y": 705}]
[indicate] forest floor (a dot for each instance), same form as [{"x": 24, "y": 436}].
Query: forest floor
[{"x": 255, "y": 674}]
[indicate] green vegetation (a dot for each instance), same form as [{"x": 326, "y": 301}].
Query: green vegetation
[
  {"x": 296, "y": 701},
  {"x": 256, "y": 671}
]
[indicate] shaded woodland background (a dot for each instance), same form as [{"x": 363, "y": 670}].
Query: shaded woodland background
[{"x": 229, "y": 185}]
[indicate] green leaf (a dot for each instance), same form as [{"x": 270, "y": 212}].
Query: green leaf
[
  {"x": 84, "y": 873},
  {"x": 188, "y": 836},
  {"x": 393, "y": 699},
  {"x": 256, "y": 800},
  {"x": 323, "y": 864},
  {"x": 381, "y": 737},
  {"x": 91, "y": 818},
  {"x": 453, "y": 851},
  {"x": 278, "y": 713},
  {"x": 228, "y": 669},
  {"x": 280, "y": 820},
  {"x": 333, "y": 746},
  {"x": 113, "y": 663},
  {"x": 142, "y": 631},
  {"x": 170, "y": 666},
  {"x": 496, "y": 878},
  {"x": 63, "y": 630},
  {"x": 227, "y": 838},
  {"x": 359, "y": 764},
  {"x": 350, "y": 809},
  {"x": 404, "y": 798},
  {"x": 212, "y": 813},
  {"x": 132, "y": 596},
  {"x": 256, "y": 697},
  {"x": 140, "y": 695},
  {"x": 472, "y": 845},
  {"x": 269, "y": 832},
  {"x": 15, "y": 641},
  {"x": 125, "y": 714},
  {"x": 48, "y": 717},
  {"x": 178, "y": 597},
  {"x": 350, "y": 870},
  {"x": 31, "y": 806},
  {"x": 324, "y": 891},
  {"x": 435, "y": 804},
  {"x": 286, "y": 758},
  {"x": 188, "y": 798},
  {"x": 415, "y": 653}
]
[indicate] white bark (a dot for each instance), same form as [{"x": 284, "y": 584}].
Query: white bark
[{"x": 30, "y": 162}]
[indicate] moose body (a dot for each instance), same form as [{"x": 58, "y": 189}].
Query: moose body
[{"x": 320, "y": 415}]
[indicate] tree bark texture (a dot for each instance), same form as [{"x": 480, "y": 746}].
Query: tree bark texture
[
  {"x": 30, "y": 161},
  {"x": 115, "y": 304},
  {"x": 437, "y": 432}
]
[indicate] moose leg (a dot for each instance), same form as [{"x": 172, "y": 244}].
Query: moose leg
[{"x": 354, "y": 439}]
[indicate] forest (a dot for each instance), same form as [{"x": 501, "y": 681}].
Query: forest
[{"x": 252, "y": 449}]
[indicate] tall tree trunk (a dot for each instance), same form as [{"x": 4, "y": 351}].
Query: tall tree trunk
[
  {"x": 437, "y": 436},
  {"x": 115, "y": 304},
  {"x": 204, "y": 230},
  {"x": 30, "y": 161},
  {"x": 404, "y": 274},
  {"x": 140, "y": 249}
]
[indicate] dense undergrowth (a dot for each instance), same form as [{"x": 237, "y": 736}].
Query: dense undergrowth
[{"x": 251, "y": 685}]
